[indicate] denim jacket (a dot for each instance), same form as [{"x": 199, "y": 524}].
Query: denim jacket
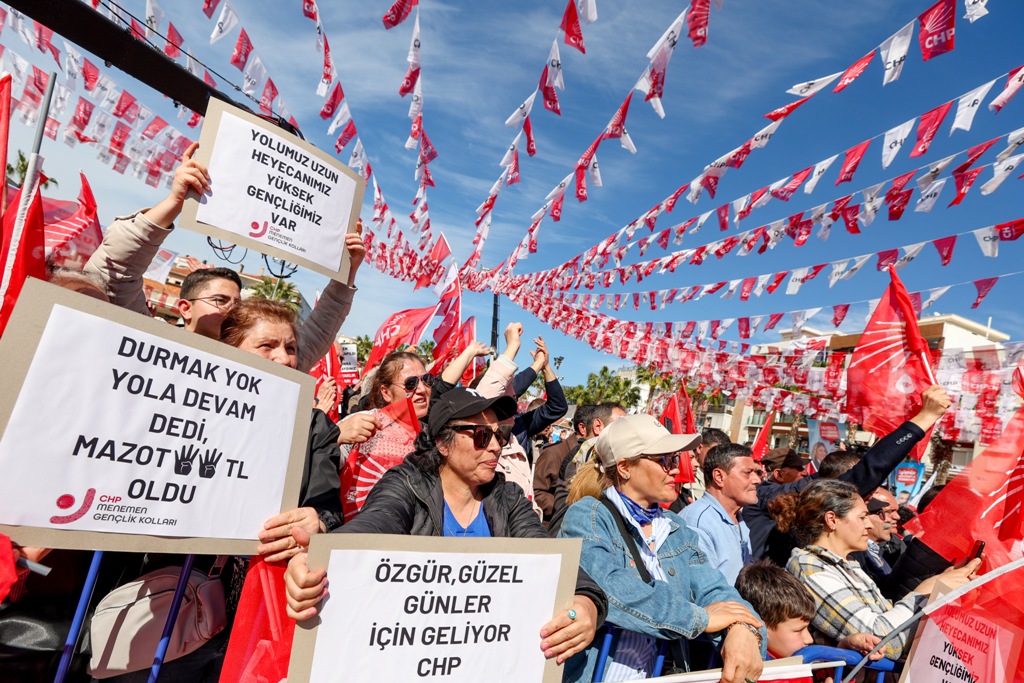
[{"x": 667, "y": 610}]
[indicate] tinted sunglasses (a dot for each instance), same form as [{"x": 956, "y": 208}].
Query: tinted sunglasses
[
  {"x": 482, "y": 434},
  {"x": 410, "y": 383},
  {"x": 667, "y": 462}
]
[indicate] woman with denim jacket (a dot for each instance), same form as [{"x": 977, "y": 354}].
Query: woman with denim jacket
[{"x": 634, "y": 471}]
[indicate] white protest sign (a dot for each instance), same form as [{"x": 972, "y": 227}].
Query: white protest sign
[
  {"x": 274, "y": 192},
  {"x": 133, "y": 427},
  {"x": 427, "y": 608}
]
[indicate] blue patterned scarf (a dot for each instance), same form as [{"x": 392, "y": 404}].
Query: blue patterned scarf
[{"x": 643, "y": 516}]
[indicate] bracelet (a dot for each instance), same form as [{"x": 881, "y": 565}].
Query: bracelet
[{"x": 755, "y": 631}]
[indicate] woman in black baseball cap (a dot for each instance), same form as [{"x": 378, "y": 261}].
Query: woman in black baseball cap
[{"x": 449, "y": 487}]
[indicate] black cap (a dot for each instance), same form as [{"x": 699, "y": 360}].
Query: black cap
[
  {"x": 783, "y": 457},
  {"x": 460, "y": 403}
]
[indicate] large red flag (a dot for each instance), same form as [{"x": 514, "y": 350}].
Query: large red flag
[
  {"x": 261, "y": 637},
  {"x": 762, "y": 442},
  {"x": 672, "y": 419},
  {"x": 938, "y": 29},
  {"x": 890, "y": 367},
  {"x": 29, "y": 258},
  {"x": 329, "y": 367},
  {"x": 404, "y": 327}
]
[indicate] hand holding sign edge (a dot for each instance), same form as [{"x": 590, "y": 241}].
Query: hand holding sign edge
[{"x": 304, "y": 588}]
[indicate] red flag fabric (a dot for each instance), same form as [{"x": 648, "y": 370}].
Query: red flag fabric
[
  {"x": 8, "y": 569},
  {"x": 786, "y": 191},
  {"x": 763, "y": 439},
  {"x": 785, "y": 110},
  {"x": 672, "y": 419},
  {"x": 852, "y": 161},
  {"x": 945, "y": 245},
  {"x": 973, "y": 154},
  {"x": 697, "y": 21},
  {"x": 5, "y": 120},
  {"x": 964, "y": 181},
  {"x": 261, "y": 637},
  {"x": 345, "y": 137},
  {"x": 1014, "y": 82},
  {"x": 549, "y": 92},
  {"x": 571, "y": 27},
  {"x": 329, "y": 367},
  {"x": 899, "y": 203},
  {"x": 854, "y": 72},
  {"x": 398, "y": 13},
  {"x": 984, "y": 286},
  {"x": 839, "y": 312},
  {"x": 412, "y": 75},
  {"x": 928, "y": 127},
  {"x": 243, "y": 46},
  {"x": 268, "y": 97},
  {"x": 332, "y": 103},
  {"x": 887, "y": 257},
  {"x": 531, "y": 145},
  {"x": 617, "y": 126},
  {"x": 368, "y": 461},
  {"x": 172, "y": 48},
  {"x": 71, "y": 229},
  {"x": 29, "y": 260},
  {"x": 938, "y": 29},
  {"x": 889, "y": 367},
  {"x": 403, "y": 328},
  {"x": 209, "y": 7}
]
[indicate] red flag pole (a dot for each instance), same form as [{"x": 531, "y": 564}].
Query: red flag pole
[{"x": 6, "y": 86}]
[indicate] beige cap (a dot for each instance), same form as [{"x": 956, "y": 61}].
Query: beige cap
[{"x": 635, "y": 435}]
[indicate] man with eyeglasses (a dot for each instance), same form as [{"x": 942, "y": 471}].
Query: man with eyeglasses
[
  {"x": 207, "y": 296},
  {"x": 884, "y": 546},
  {"x": 731, "y": 476}
]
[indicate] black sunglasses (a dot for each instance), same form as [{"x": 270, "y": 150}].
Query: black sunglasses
[
  {"x": 410, "y": 383},
  {"x": 482, "y": 434},
  {"x": 667, "y": 462}
]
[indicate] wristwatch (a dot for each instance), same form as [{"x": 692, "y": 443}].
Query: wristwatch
[{"x": 755, "y": 631}]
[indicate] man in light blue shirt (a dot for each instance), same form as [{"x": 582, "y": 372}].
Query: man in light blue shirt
[{"x": 731, "y": 476}]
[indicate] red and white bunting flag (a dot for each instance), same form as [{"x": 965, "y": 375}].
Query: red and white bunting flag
[
  {"x": 398, "y": 13},
  {"x": 854, "y": 72},
  {"x": 984, "y": 286},
  {"x": 172, "y": 48},
  {"x": 209, "y": 7},
  {"x": 819, "y": 170},
  {"x": 910, "y": 252},
  {"x": 975, "y": 9},
  {"x": 594, "y": 172},
  {"x": 938, "y": 29},
  {"x": 342, "y": 117},
  {"x": 1010, "y": 231},
  {"x": 154, "y": 17},
  {"x": 208, "y": 79},
  {"x": 945, "y": 246},
  {"x": 549, "y": 93},
  {"x": 811, "y": 87},
  {"x": 581, "y": 184},
  {"x": 894, "y": 53},
  {"x": 1000, "y": 172},
  {"x": 988, "y": 241},
  {"x": 839, "y": 312},
  {"x": 763, "y": 137},
  {"x": 963, "y": 183},
  {"x": 520, "y": 115},
  {"x": 267, "y": 98},
  {"x": 90, "y": 74},
  {"x": 402, "y": 328},
  {"x": 531, "y": 145},
  {"x": 1013, "y": 84},
  {"x": 329, "y": 74},
  {"x": 929, "y": 126},
  {"x": 309, "y": 10},
  {"x": 697, "y": 22},
  {"x": 934, "y": 171},
  {"x": 929, "y": 196},
  {"x": 554, "y": 68},
  {"x": 1014, "y": 141},
  {"x": 617, "y": 126},
  {"x": 968, "y": 105},
  {"x": 785, "y": 110},
  {"x": 254, "y": 73},
  {"x": 414, "y": 132},
  {"x": 571, "y": 27},
  {"x": 785, "y": 192},
  {"x": 125, "y": 101},
  {"x": 153, "y": 128},
  {"x": 894, "y": 140},
  {"x": 851, "y": 161},
  {"x": 332, "y": 103},
  {"x": 243, "y": 46},
  {"x": 414, "y": 44},
  {"x": 346, "y": 136},
  {"x": 409, "y": 81},
  {"x": 587, "y": 10}
]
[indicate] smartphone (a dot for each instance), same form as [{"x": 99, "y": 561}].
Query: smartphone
[{"x": 977, "y": 550}]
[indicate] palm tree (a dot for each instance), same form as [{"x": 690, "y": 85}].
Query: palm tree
[
  {"x": 277, "y": 290},
  {"x": 425, "y": 350},
  {"x": 602, "y": 387},
  {"x": 17, "y": 171},
  {"x": 364, "y": 345}
]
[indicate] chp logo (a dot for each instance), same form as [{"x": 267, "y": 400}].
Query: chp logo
[
  {"x": 67, "y": 501},
  {"x": 257, "y": 230}
]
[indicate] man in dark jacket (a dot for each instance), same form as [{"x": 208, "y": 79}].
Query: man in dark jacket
[{"x": 866, "y": 475}]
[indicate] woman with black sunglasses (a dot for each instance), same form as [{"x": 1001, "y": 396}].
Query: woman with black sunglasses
[
  {"x": 449, "y": 487},
  {"x": 660, "y": 586}
]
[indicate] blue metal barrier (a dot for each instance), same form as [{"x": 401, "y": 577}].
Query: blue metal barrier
[{"x": 823, "y": 653}]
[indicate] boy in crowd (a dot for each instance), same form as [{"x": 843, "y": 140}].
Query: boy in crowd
[{"x": 787, "y": 608}]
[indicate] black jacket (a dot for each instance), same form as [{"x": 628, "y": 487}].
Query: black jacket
[
  {"x": 867, "y": 475},
  {"x": 321, "y": 483},
  {"x": 408, "y": 500}
]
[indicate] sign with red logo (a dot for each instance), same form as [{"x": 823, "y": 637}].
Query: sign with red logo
[
  {"x": 275, "y": 193},
  {"x": 130, "y": 434}
]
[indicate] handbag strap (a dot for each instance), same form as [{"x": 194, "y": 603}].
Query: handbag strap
[{"x": 628, "y": 538}]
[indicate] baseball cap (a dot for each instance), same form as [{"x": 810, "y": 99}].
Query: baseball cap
[
  {"x": 635, "y": 435},
  {"x": 461, "y": 403},
  {"x": 783, "y": 457}
]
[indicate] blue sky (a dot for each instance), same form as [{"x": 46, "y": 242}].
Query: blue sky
[{"x": 480, "y": 60}]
